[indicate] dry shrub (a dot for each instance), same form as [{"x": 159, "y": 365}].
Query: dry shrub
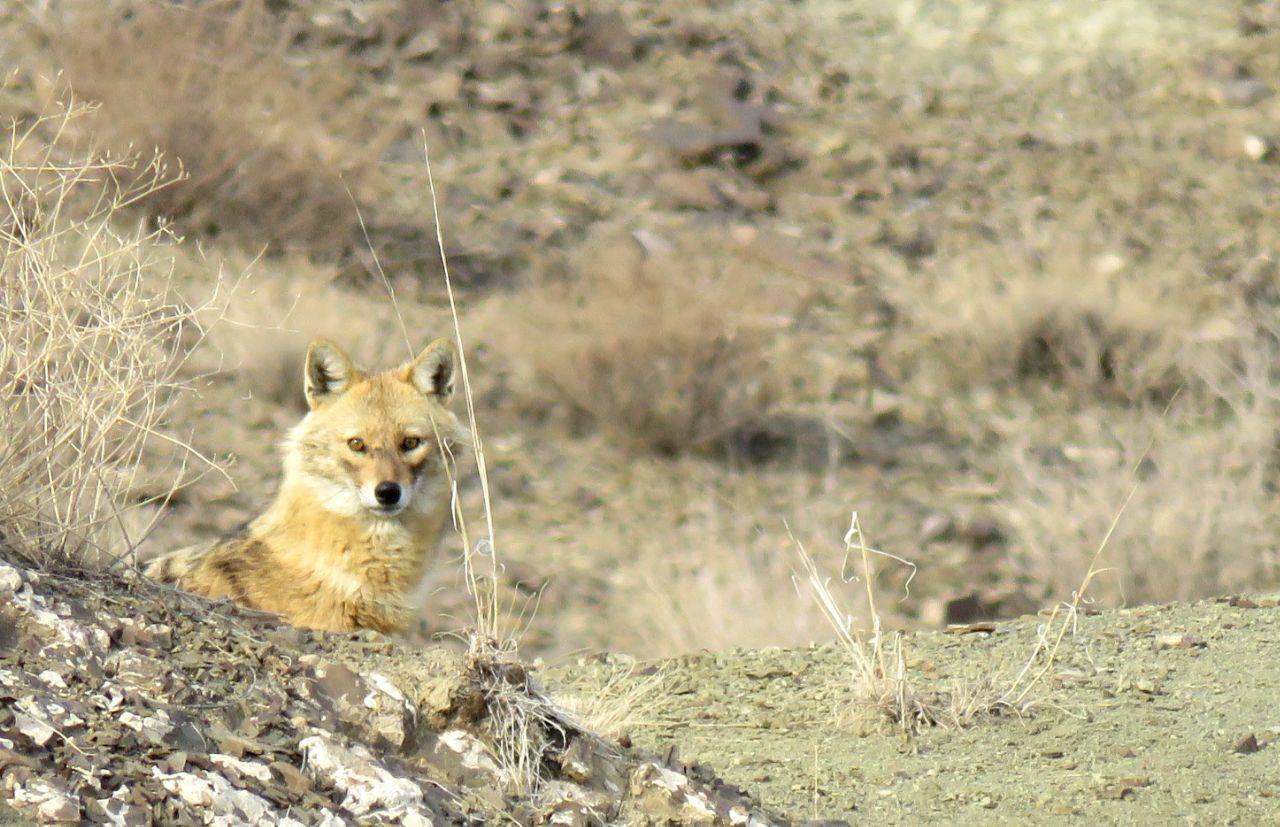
[
  {"x": 674, "y": 355},
  {"x": 880, "y": 680},
  {"x": 92, "y": 343},
  {"x": 1056, "y": 311},
  {"x": 212, "y": 86},
  {"x": 1201, "y": 520},
  {"x": 709, "y": 576}
]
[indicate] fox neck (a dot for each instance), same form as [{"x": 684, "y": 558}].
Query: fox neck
[{"x": 303, "y": 526}]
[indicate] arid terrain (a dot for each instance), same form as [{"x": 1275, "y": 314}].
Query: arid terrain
[{"x": 998, "y": 277}]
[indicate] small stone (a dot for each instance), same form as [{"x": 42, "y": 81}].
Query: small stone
[
  {"x": 651, "y": 243},
  {"x": 1247, "y": 745},
  {"x": 936, "y": 526},
  {"x": 688, "y": 190},
  {"x": 1180, "y": 641},
  {"x": 1255, "y": 147},
  {"x": 1116, "y": 792},
  {"x": 1244, "y": 92},
  {"x": 293, "y": 778},
  {"x": 37, "y": 730}
]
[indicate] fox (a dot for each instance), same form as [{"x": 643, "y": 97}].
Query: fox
[{"x": 364, "y": 498}]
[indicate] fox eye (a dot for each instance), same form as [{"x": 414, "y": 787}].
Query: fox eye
[
  {"x": 409, "y": 443},
  {"x": 356, "y": 444}
]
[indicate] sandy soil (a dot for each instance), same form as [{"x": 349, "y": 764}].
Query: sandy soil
[{"x": 1149, "y": 715}]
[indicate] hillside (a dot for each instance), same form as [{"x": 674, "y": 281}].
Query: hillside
[
  {"x": 125, "y": 703},
  {"x": 121, "y": 707},
  {"x": 999, "y": 278},
  {"x": 727, "y": 273}
]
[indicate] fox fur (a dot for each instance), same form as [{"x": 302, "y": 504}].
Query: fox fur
[{"x": 364, "y": 498}]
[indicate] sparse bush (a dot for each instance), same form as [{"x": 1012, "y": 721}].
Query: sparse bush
[
  {"x": 92, "y": 343},
  {"x": 674, "y": 356},
  {"x": 211, "y": 85},
  {"x": 1095, "y": 324},
  {"x": 1201, "y": 519}
]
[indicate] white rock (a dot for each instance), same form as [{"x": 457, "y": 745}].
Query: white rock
[
  {"x": 37, "y": 729},
  {"x": 472, "y": 752},
  {"x": 52, "y": 678},
  {"x": 52, "y": 804},
  {"x": 251, "y": 769},
  {"x": 367, "y": 788}
]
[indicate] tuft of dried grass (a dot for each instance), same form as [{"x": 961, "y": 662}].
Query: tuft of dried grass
[
  {"x": 618, "y": 702},
  {"x": 1201, "y": 523},
  {"x": 675, "y": 355},
  {"x": 263, "y": 141},
  {"x": 880, "y": 679},
  {"x": 94, "y": 342},
  {"x": 1048, "y": 307}
]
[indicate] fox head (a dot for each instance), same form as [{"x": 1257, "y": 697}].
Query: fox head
[{"x": 374, "y": 445}]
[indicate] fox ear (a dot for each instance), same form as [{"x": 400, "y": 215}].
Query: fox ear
[
  {"x": 329, "y": 372},
  {"x": 432, "y": 371}
]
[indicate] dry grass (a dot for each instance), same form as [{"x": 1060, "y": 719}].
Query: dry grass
[
  {"x": 265, "y": 143},
  {"x": 1201, "y": 523},
  {"x": 677, "y": 353},
  {"x": 710, "y": 582},
  {"x": 617, "y": 703},
  {"x": 1050, "y": 307},
  {"x": 93, "y": 343},
  {"x": 880, "y": 678}
]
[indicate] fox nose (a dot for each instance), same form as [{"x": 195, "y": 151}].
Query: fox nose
[{"x": 387, "y": 493}]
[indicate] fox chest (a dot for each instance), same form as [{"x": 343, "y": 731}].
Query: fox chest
[{"x": 376, "y": 566}]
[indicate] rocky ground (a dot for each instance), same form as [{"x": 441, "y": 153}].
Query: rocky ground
[{"x": 127, "y": 704}]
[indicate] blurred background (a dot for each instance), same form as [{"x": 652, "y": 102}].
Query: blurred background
[{"x": 987, "y": 273}]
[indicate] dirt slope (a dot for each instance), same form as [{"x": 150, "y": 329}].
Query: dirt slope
[{"x": 1151, "y": 716}]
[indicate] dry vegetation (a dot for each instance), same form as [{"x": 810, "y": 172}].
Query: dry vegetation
[
  {"x": 268, "y": 152},
  {"x": 93, "y": 346},
  {"x": 964, "y": 268},
  {"x": 660, "y": 354}
]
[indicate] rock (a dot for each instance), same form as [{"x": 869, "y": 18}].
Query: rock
[
  {"x": 212, "y": 793},
  {"x": 366, "y": 786},
  {"x": 215, "y": 731},
  {"x": 50, "y": 800},
  {"x": 37, "y": 729},
  {"x": 293, "y": 778},
  {"x": 11, "y": 579},
  {"x": 936, "y": 526},
  {"x": 1247, "y": 745},
  {"x": 1180, "y": 641},
  {"x": 692, "y": 190},
  {"x": 602, "y": 37},
  {"x": 1243, "y": 92},
  {"x": 1256, "y": 147}
]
